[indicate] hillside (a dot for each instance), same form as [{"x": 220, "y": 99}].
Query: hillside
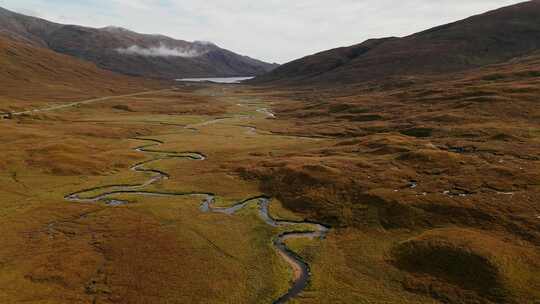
[
  {"x": 131, "y": 53},
  {"x": 489, "y": 38},
  {"x": 31, "y": 75},
  {"x": 434, "y": 184}
]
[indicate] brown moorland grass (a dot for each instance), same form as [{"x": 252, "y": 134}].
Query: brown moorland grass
[
  {"x": 483, "y": 265},
  {"x": 32, "y": 77},
  {"x": 458, "y": 151},
  {"x": 442, "y": 168},
  {"x": 153, "y": 250}
]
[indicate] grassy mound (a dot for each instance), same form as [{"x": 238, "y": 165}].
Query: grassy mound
[{"x": 468, "y": 266}]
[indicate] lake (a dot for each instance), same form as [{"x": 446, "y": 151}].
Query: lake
[{"x": 216, "y": 79}]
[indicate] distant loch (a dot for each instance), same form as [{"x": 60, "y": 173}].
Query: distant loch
[{"x": 216, "y": 79}]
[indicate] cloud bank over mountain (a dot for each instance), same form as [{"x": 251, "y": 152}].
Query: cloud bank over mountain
[{"x": 159, "y": 51}]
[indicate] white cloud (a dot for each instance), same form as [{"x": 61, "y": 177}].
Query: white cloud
[{"x": 159, "y": 51}]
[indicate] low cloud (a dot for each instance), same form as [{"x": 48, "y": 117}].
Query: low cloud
[
  {"x": 160, "y": 51},
  {"x": 205, "y": 43}
]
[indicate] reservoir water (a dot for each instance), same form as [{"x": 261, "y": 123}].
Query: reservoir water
[{"x": 216, "y": 79}]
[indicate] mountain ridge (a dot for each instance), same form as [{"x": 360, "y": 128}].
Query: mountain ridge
[
  {"x": 489, "y": 38},
  {"x": 131, "y": 53}
]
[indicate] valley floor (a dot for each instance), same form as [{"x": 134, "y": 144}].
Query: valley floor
[{"x": 127, "y": 245}]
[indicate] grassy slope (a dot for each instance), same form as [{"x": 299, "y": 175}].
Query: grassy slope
[{"x": 31, "y": 76}]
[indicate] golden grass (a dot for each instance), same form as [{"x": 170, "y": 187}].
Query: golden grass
[
  {"x": 154, "y": 250},
  {"x": 33, "y": 77},
  {"x": 350, "y": 267},
  {"x": 482, "y": 264},
  {"x": 317, "y": 159},
  {"x": 457, "y": 151}
]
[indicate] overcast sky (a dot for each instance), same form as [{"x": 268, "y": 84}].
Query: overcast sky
[{"x": 271, "y": 30}]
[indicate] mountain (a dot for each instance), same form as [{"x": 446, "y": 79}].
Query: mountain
[
  {"x": 131, "y": 53},
  {"x": 489, "y": 38},
  {"x": 32, "y": 74}
]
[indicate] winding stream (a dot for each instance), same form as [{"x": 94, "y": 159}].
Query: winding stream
[{"x": 106, "y": 194}]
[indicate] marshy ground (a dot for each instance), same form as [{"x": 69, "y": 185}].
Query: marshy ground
[{"x": 146, "y": 249}]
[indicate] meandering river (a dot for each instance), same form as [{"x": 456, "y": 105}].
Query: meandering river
[{"x": 294, "y": 230}]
